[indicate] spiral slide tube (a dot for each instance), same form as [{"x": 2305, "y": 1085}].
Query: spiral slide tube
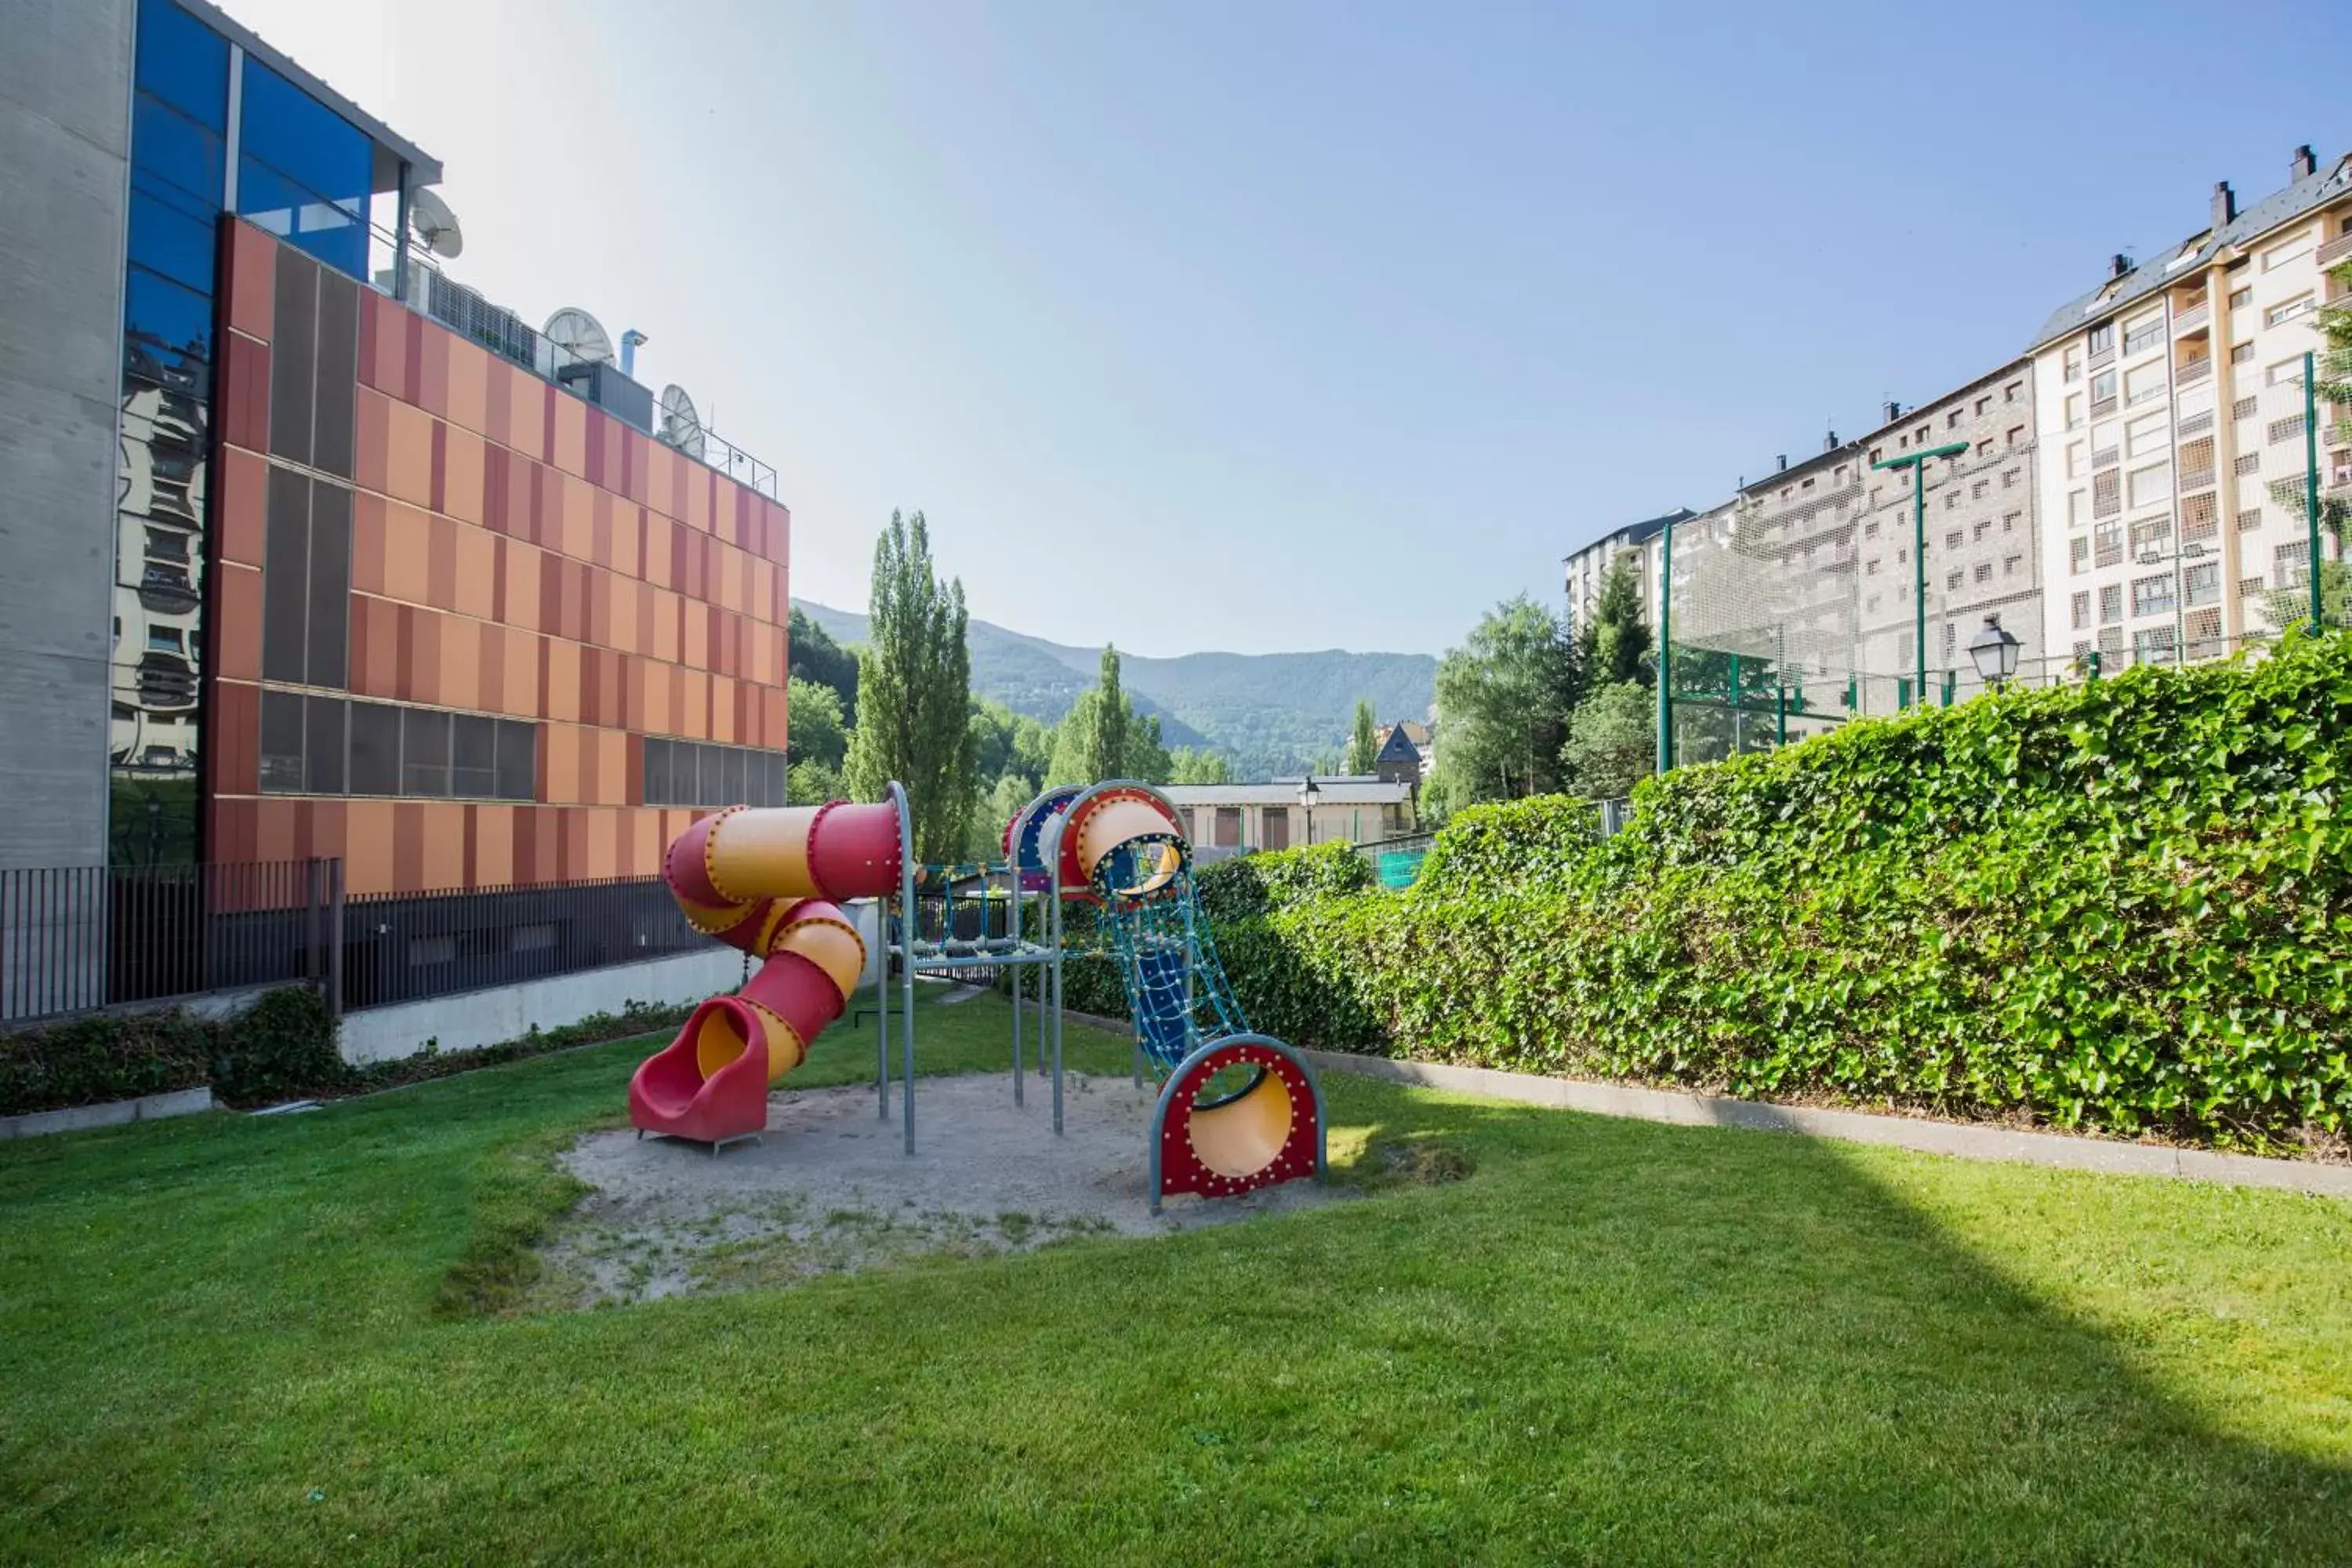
[{"x": 764, "y": 880}]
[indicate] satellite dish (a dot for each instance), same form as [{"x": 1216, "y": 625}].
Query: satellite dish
[
  {"x": 430, "y": 219},
  {"x": 577, "y": 335},
  {"x": 680, "y": 426}
]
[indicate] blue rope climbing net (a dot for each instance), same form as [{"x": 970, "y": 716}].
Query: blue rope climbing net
[{"x": 1176, "y": 986}]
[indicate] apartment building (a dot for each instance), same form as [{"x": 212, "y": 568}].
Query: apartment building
[
  {"x": 2172, "y": 402},
  {"x": 1584, "y": 572},
  {"x": 1982, "y": 556}
]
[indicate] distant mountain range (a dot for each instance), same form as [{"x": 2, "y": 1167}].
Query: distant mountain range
[{"x": 1267, "y": 713}]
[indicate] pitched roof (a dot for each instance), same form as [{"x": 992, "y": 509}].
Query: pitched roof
[
  {"x": 1398, "y": 748},
  {"x": 2315, "y": 189}
]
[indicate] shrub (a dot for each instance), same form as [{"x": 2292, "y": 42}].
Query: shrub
[
  {"x": 89, "y": 1061},
  {"x": 2124, "y": 906},
  {"x": 280, "y": 1047}
]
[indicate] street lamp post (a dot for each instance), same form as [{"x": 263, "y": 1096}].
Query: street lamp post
[
  {"x": 1917, "y": 463},
  {"x": 1994, "y": 652},
  {"x": 1306, "y": 794}
]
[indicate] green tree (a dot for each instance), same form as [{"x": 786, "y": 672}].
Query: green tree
[
  {"x": 1363, "y": 739},
  {"x": 1005, "y": 742},
  {"x": 814, "y": 730},
  {"x": 1615, "y": 644},
  {"x": 1101, "y": 736},
  {"x": 1198, "y": 765},
  {"x": 1613, "y": 740},
  {"x": 914, "y": 684},
  {"x": 813, "y": 784},
  {"x": 813, "y": 655},
  {"x": 1503, "y": 698}
]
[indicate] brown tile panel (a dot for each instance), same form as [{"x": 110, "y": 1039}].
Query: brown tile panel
[
  {"x": 433, "y": 372},
  {"x": 444, "y": 846},
  {"x": 234, "y": 744},
  {"x": 372, "y": 440},
  {"x": 273, "y": 829},
  {"x": 470, "y": 385},
  {"x": 408, "y": 846},
  {"x": 243, "y": 406},
  {"x": 408, "y": 465},
  {"x": 493, "y": 846},
  {"x": 241, "y": 479},
  {"x": 475, "y": 590},
  {"x": 237, "y": 622},
  {"x": 368, "y": 858},
  {"x": 408, "y": 554},
  {"x": 250, "y": 265},
  {"x": 368, "y": 534},
  {"x": 376, "y": 647}
]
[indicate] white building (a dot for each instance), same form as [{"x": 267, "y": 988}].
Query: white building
[
  {"x": 1359, "y": 809},
  {"x": 2170, "y": 399},
  {"x": 1583, "y": 573}
]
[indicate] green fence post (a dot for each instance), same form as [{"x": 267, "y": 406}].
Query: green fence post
[{"x": 2311, "y": 480}]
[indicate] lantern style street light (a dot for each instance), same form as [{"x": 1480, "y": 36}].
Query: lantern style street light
[
  {"x": 1306, "y": 794},
  {"x": 1994, "y": 649}
]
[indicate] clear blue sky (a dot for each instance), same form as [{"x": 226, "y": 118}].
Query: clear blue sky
[{"x": 1307, "y": 325}]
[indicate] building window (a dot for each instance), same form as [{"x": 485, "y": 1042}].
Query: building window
[
  {"x": 2102, "y": 337},
  {"x": 2109, "y": 537},
  {"x": 2078, "y": 508},
  {"x": 1952, "y": 420},
  {"x": 329, "y": 746},
  {"x": 2073, "y": 364},
  {"x": 2078, "y": 555},
  {"x": 2103, "y": 392},
  {"x": 2149, "y": 535},
  {"x": 2111, "y": 603},
  {"x": 1229, "y": 826},
  {"x": 2009, "y": 565},
  {"x": 2009, "y": 521},
  {"x": 698, "y": 773},
  {"x": 2149, "y": 433},
  {"x": 2152, "y": 595},
  {"x": 2145, "y": 333},
  {"x": 1983, "y": 403},
  {"x": 303, "y": 172},
  {"x": 2082, "y": 610},
  {"x": 2286, "y": 373},
  {"x": 2201, "y": 583},
  {"x": 2074, "y": 411},
  {"x": 2144, "y": 385},
  {"x": 1869, "y": 531},
  {"x": 1983, "y": 527},
  {"x": 2151, "y": 484},
  {"x": 1977, "y": 491},
  {"x": 306, "y": 580},
  {"x": 1951, "y": 499},
  {"x": 2241, "y": 298},
  {"x": 2293, "y": 309},
  {"x": 2286, "y": 429},
  {"x": 1984, "y": 572},
  {"x": 2250, "y": 520},
  {"x": 2290, "y": 563},
  {"x": 2247, "y": 463},
  {"x": 2152, "y": 645},
  {"x": 1952, "y": 579},
  {"x": 2107, "y": 493},
  {"x": 2012, "y": 392},
  {"x": 2250, "y": 587},
  {"x": 1952, "y": 539},
  {"x": 1922, "y": 434},
  {"x": 2009, "y": 478},
  {"x": 1870, "y": 567}
]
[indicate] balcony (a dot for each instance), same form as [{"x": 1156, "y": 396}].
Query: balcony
[
  {"x": 2195, "y": 425},
  {"x": 2196, "y": 316},
  {"x": 2335, "y": 250},
  {"x": 2193, "y": 370},
  {"x": 2197, "y": 480},
  {"x": 2104, "y": 357},
  {"x": 2102, "y": 408}
]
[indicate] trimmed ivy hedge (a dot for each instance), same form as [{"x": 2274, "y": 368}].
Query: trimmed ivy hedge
[
  {"x": 284, "y": 1043},
  {"x": 2124, "y": 906}
]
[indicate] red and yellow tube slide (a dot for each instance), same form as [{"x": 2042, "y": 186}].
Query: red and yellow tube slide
[{"x": 764, "y": 880}]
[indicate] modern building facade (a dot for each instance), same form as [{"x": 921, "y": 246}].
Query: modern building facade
[
  {"x": 304, "y": 560},
  {"x": 1982, "y": 525},
  {"x": 2171, "y": 404}
]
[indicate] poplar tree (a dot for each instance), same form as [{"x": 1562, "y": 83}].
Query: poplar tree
[{"x": 914, "y": 692}]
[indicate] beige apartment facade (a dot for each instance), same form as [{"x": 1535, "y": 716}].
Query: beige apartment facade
[
  {"x": 1245, "y": 816},
  {"x": 2172, "y": 407}
]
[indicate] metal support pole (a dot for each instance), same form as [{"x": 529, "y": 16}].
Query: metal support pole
[
  {"x": 1781, "y": 722},
  {"x": 335, "y": 940},
  {"x": 1016, "y": 973},
  {"x": 1666, "y": 646},
  {"x": 1919, "y": 572},
  {"x": 882, "y": 1005},
  {"x": 2311, "y": 482}
]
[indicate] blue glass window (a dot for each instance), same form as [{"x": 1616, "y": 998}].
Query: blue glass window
[
  {"x": 172, "y": 147},
  {"x": 334, "y": 232},
  {"x": 183, "y": 61},
  {"x": 302, "y": 138},
  {"x": 167, "y": 237},
  {"x": 167, "y": 330}
]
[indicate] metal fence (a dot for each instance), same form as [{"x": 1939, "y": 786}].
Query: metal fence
[
  {"x": 403, "y": 947},
  {"x": 1396, "y": 862},
  {"x": 76, "y": 939}
]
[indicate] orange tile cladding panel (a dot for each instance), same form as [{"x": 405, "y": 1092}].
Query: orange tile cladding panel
[
  {"x": 476, "y": 566},
  {"x": 408, "y": 554},
  {"x": 494, "y": 846},
  {"x": 571, "y": 453},
  {"x": 372, "y": 429},
  {"x": 443, "y": 844},
  {"x": 368, "y": 534},
  {"x": 521, "y": 685},
  {"x": 409, "y": 455},
  {"x": 238, "y": 629},
  {"x": 251, "y": 281},
  {"x": 470, "y": 385},
  {"x": 612, "y": 767},
  {"x": 242, "y": 481},
  {"x": 367, "y": 846},
  {"x": 527, "y": 398},
  {"x": 520, "y": 574},
  {"x": 461, "y": 474}
]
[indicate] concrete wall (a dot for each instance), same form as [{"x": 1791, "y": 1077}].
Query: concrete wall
[
  {"x": 486, "y": 1017},
  {"x": 65, "y": 93}
]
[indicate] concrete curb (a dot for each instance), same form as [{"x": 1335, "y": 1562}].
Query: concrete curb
[
  {"x": 114, "y": 1113},
  {"x": 1958, "y": 1138}
]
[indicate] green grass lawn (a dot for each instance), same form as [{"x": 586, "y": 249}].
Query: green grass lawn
[{"x": 233, "y": 1339}]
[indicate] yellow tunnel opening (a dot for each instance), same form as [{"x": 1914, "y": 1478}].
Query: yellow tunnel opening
[
  {"x": 717, "y": 1041},
  {"x": 1243, "y": 1136}
]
